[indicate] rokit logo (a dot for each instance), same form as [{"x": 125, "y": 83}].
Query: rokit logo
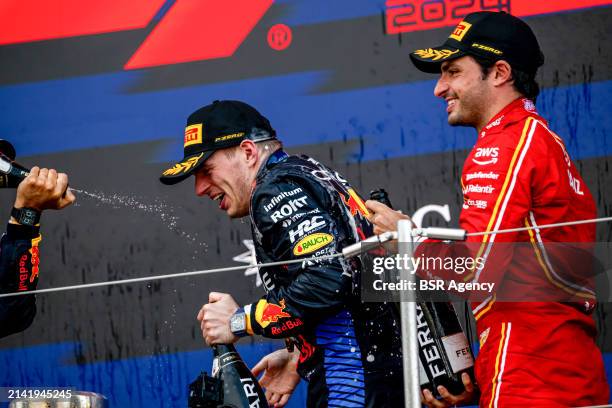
[
  {"x": 486, "y": 155},
  {"x": 288, "y": 209},
  {"x": 305, "y": 227}
]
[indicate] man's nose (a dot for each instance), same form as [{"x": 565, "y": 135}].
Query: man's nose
[
  {"x": 202, "y": 185},
  {"x": 441, "y": 88}
]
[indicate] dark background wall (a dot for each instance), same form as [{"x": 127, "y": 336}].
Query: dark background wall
[{"x": 343, "y": 91}]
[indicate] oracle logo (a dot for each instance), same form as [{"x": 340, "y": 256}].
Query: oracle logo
[{"x": 190, "y": 30}]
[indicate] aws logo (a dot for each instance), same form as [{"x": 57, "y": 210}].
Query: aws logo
[
  {"x": 489, "y": 154},
  {"x": 190, "y": 30}
]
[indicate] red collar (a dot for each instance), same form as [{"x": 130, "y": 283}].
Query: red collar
[{"x": 516, "y": 109}]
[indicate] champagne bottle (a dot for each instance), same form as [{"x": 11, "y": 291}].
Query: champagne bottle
[
  {"x": 444, "y": 350},
  {"x": 381, "y": 196},
  {"x": 11, "y": 173},
  {"x": 232, "y": 383}
]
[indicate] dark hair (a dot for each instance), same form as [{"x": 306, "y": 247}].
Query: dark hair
[{"x": 524, "y": 82}]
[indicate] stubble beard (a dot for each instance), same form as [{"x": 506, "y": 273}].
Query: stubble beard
[{"x": 469, "y": 109}]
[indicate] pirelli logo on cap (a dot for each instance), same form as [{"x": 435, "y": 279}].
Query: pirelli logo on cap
[
  {"x": 460, "y": 31},
  {"x": 193, "y": 134}
]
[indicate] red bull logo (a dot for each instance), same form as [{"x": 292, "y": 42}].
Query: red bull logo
[
  {"x": 35, "y": 260},
  {"x": 267, "y": 313},
  {"x": 23, "y": 273},
  {"x": 355, "y": 204}
]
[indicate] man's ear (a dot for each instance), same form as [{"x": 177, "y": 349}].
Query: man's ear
[
  {"x": 249, "y": 152},
  {"x": 501, "y": 73}
]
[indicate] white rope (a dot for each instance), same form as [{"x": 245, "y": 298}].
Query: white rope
[
  {"x": 171, "y": 275},
  {"x": 539, "y": 227},
  {"x": 269, "y": 264}
]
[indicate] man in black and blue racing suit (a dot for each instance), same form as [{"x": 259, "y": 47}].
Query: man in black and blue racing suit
[{"x": 349, "y": 351}]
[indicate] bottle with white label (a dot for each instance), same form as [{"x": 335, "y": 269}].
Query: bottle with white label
[
  {"x": 444, "y": 351},
  {"x": 232, "y": 383}
]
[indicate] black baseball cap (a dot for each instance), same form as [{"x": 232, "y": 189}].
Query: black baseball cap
[
  {"x": 488, "y": 35},
  {"x": 219, "y": 125}
]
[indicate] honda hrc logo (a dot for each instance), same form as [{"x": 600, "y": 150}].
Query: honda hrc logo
[
  {"x": 490, "y": 153},
  {"x": 306, "y": 227},
  {"x": 190, "y": 30}
]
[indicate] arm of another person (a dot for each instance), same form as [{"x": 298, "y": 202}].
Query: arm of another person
[{"x": 19, "y": 262}]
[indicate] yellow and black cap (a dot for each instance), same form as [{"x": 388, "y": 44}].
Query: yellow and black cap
[
  {"x": 217, "y": 126},
  {"x": 489, "y": 36}
]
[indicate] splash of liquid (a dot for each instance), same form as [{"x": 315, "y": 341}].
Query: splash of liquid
[{"x": 161, "y": 210}]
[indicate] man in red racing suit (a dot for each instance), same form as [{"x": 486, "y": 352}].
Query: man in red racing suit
[
  {"x": 538, "y": 351},
  {"x": 531, "y": 353}
]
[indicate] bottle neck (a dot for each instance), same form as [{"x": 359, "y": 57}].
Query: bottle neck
[
  {"x": 221, "y": 349},
  {"x": 12, "y": 168}
]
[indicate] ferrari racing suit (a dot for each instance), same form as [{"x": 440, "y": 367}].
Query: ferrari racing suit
[{"x": 532, "y": 353}]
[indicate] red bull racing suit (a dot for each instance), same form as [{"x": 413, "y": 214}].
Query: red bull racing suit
[
  {"x": 19, "y": 265},
  {"x": 350, "y": 352},
  {"x": 533, "y": 354}
]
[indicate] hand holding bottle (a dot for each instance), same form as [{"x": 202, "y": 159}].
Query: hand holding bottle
[
  {"x": 384, "y": 218},
  {"x": 448, "y": 399},
  {"x": 44, "y": 189},
  {"x": 214, "y": 318}
]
